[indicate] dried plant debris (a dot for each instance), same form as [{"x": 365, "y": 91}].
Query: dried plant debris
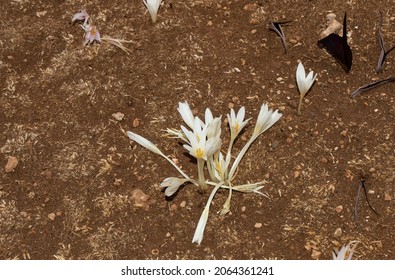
[
  {"x": 383, "y": 53},
  {"x": 338, "y": 47},
  {"x": 333, "y": 26},
  {"x": 92, "y": 34},
  {"x": 276, "y": 27},
  {"x": 371, "y": 86},
  {"x": 362, "y": 186}
]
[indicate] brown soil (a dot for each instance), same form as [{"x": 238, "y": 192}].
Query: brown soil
[{"x": 71, "y": 194}]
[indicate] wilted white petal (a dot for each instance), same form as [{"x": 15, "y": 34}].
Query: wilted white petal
[
  {"x": 144, "y": 142},
  {"x": 153, "y": 7},
  {"x": 172, "y": 184},
  {"x": 198, "y": 236}
]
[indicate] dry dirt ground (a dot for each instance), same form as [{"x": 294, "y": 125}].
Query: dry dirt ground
[{"x": 71, "y": 195}]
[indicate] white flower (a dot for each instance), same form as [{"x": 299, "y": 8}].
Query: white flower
[
  {"x": 172, "y": 184},
  {"x": 144, "y": 142},
  {"x": 221, "y": 167},
  {"x": 266, "y": 119},
  {"x": 304, "y": 83},
  {"x": 91, "y": 34},
  {"x": 236, "y": 123},
  {"x": 153, "y": 7},
  {"x": 81, "y": 16},
  {"x": 345, "y": 252},
  {"x": 198, "y": 145}
]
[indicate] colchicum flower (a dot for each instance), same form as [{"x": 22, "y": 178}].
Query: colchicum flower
[
  {"x": 304, "y": 83},
  {"x": 91, "y": 34},
  {"x": 203, "y": 141},
  {"x": 345, "y": 252},
  {"x": 266, "y": 118},
  {"x": 153, "y": 7}
]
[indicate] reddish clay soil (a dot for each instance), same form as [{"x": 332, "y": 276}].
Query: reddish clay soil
[{"x": 72, "y": 193}]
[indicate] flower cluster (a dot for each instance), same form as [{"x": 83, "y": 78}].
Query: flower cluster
[{"x": 202, "y": 139}]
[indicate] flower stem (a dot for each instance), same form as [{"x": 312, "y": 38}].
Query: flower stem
[
  {"x": 201, "y": 180},
  {"x": 300, "y": 105}
]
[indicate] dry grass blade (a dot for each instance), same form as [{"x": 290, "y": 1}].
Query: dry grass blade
[{"x": 118, "y": 43}]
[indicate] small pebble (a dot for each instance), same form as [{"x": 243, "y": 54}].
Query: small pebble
[
  {"x": 371, "y": 192},
  {"x": 173, "y": 207},
  {"x": 371, "y": 170},
  {"x": 243, "y": 209},
  {"x": 339, "y": 208},
  {"x": 183, "y": 204},
  {"x": 136, "y": 122},
  {"x": 258, "y": 225},
  {"x": 168, "y": 234},
  {"x": 338, "y": 232},
  {"x": 52, "y": 216},
  {"x": 387, "y": 197},
  {"x": 296, "y": 174},
  {"x": 118, "y": 116},
  {"x": 324, "y": 160},
  {"x": 11, "y": 164},
  {"x": 279, "y": 79},
  {"x": 315, "y": 255}
]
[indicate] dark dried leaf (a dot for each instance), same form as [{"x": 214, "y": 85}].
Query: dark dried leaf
[
  {"x": 338, "y": 47},
  {"x": 371, "y": 86},
  {"x": 276, "y": 27},
  {"x": 383, "y": 53}
]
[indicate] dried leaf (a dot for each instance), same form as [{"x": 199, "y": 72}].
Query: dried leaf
[
  {"x": 371, "y": 86},
  {"x": 276, "y": 27},
  {"x": 383, "y": 53}
]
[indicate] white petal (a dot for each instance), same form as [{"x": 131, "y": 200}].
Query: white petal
[
  {"x": 144, "y": 142},
  {"x": 198, "y": 236},
  {"x": 301, "y": 79},
  {"x": 186, "y": 113}
]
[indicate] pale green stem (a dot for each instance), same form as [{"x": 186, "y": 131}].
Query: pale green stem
[{"x": 201, "y": 180}]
